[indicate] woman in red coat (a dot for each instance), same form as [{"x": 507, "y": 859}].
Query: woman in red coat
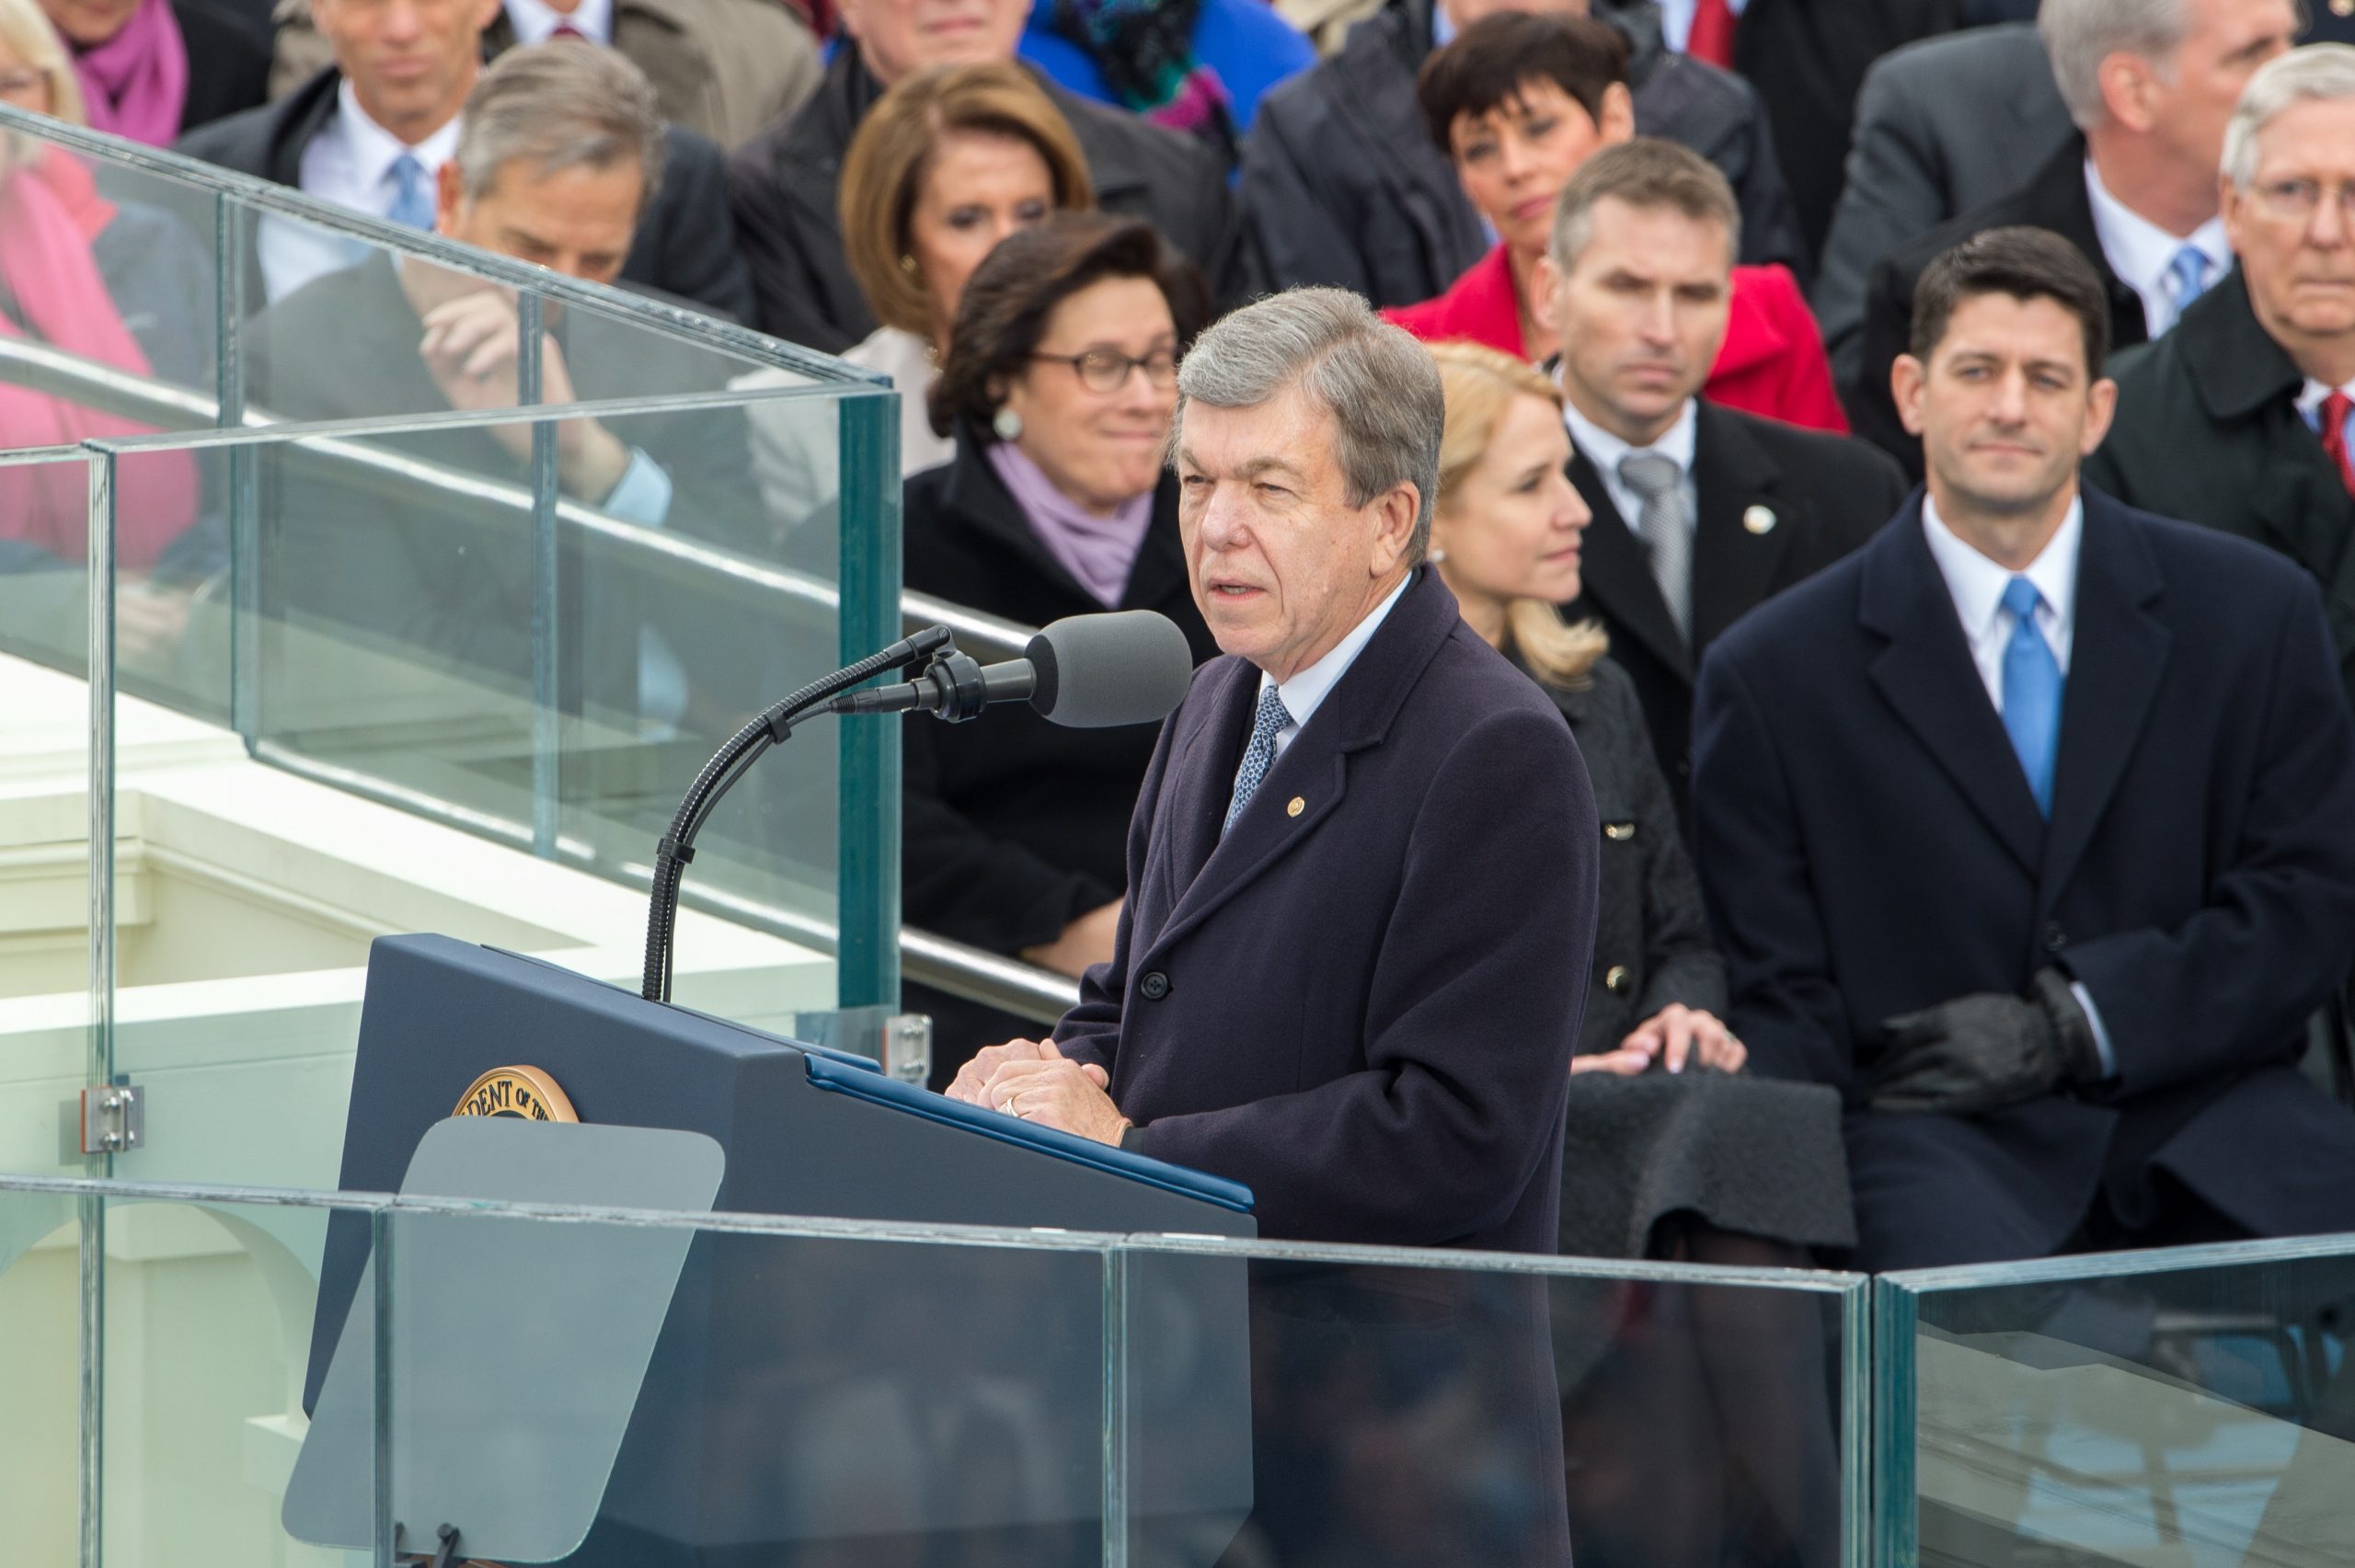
[{"x": 1518, "y": 102}]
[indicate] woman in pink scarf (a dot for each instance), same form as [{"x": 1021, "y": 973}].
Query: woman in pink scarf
[{"x": 152, "y": 69}]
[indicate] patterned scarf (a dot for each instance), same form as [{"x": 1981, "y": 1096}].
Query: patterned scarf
[{"x": 1145, "y": 51}]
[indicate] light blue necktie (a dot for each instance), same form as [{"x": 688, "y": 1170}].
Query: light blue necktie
[
  {"x": 2032, "y": 684},
  {"x": 412, "y": 202},
  {"x": 2189, "y": 275},
  {"x": 1260, "y": 754}
]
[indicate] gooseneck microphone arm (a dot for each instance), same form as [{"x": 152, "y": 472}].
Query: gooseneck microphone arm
[{"x": 730, "y": 763}]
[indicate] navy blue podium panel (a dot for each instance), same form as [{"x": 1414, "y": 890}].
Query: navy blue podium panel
[{"x": 813, "y": 1401}]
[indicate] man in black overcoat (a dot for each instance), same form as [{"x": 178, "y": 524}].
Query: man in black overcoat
[{"x": 2031, "y": 826}]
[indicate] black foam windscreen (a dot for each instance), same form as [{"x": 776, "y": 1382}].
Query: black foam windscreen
[{"x": 1094, "y": 671}]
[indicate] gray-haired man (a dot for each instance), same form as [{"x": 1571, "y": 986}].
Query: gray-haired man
[{"x": 1351, "y": 962}]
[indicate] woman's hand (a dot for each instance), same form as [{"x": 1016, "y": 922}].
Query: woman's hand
[{"x": 1678, "y": 1034}]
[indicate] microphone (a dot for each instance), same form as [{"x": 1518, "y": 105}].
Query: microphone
[{"x": 1084, "y": 672}]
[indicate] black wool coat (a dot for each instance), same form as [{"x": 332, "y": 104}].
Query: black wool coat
[
  {"x": 1868, "y": 847},
  {"x": 1361, "y": 1001}
]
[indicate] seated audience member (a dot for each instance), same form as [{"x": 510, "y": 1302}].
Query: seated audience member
[
  {"x": 782, "y": 183},
  {"x": 1522, "y": 101},
  {"x": 1341, "y": 185},
  {"x": 1058, "y": 384},
  {"x": 2150, "y": 83},
  {"x": 1201, "y": 68},
  {"x": 152, "y": 69},
  {"x": 121, "y": 285},
  {"x": 373, "y": 130},
  {"x": 2239, "y": 418},
  {"x": 560, "y": 154},
  {"x": 2031, "y": 826},
  {"x": 1700, "y": 511},
  {"x": 1943, "y": 127},
  {"x": 721, "y": 68}
]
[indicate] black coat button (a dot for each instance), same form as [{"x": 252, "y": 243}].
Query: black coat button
[
  {"x": 2055, "y": 938},
  {"x": 1153, "y": 986}
]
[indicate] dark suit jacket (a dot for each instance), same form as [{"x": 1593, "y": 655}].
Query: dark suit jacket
[
  {"x": 1807, "y": 58},
  {"x": 228, "y": 63},
  {"x": 782, "y": 183},
  {"x": 1341, "y": 185},
  {"x": 686, "y": 243},
  {"x": 1824, "y": 495},
  {"x": 1943, "y": 127},
  {"x": 2207, "y": 427},
  {"x": 1012, "y": 829},
  {"x": 2054, "y": 200},
  {"x": 1365, "y": 1010},
  {"x": 1868, "y": 846}
]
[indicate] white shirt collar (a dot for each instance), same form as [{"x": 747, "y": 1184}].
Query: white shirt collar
[
  {"x": 2310, "y": 399},
  {"x": 2139, "y": 251},
  {"x": 535, "y": 22},
  {"x": 1604, "y": 449},
  {"x": 1977, "y": 582},
  {"x": 371, "y": 150},
  {"x": 1308, "y": 689}
]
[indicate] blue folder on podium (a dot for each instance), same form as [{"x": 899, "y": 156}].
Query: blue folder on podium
[{"x": 812, "y": 1400}]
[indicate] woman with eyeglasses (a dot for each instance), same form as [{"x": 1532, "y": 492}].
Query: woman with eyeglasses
[{"x": 1058, "y": 389}]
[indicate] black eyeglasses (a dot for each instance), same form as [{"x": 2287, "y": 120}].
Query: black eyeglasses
[{"x": 1107, "y": 370}]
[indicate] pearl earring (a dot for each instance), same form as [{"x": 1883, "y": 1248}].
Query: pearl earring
[
  {"x": 1435, "y": 555},
  {"x": 1007, "y": 424}
]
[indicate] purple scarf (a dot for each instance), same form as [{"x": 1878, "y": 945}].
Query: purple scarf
[
  {"x": 135, "y": 84},
  {"x": 1099, "y": 551}
]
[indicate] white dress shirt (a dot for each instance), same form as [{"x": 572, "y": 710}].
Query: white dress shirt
[
  {"x": 1604, "y": 449},
  {"x": 350, "y": 163},
  {"x": 2140, "y": 252},
  {"x": 1976, "y": 583},
  {"x": 1676, "y": 20},
  {"x": 537, "y": 23},
  {"x": 2310, "y": 402},
  {"x": 1306, "y": 691}
]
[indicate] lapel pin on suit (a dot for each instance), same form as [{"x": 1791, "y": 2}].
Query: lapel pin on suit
[
  {"x": 1294, "y": 806},
  {"x": 1759, "y": 520}
]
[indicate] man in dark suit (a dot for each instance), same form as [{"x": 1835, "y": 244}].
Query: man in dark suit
[
  {"x": 1343, "y": 976},
  {"x": 783, "y": 183},
  {"x": 2136, "y": 192},
  {"x": 1943, "y": 127},
  {"x": 1343, "y": 186},
  {"x": 1700, "y": 512},
  {"x": 2239, "y": 417},
  {"x": 2031, "y": 826},
  {"x": 372, "y": 131}
]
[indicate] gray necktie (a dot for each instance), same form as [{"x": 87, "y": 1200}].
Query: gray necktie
[
  {"x": 1259, "y": 755},
  {"x": 1666, "y": 528}
]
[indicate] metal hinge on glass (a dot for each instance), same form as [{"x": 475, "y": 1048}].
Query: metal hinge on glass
[
  {"x": 114, "y": 1119},
  {"x": 907, "y": 1047}
]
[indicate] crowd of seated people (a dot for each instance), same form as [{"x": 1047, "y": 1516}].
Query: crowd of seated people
[{"x": 1978, "y": 853}]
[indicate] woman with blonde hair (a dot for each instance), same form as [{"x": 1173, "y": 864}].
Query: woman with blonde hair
[{"x": 1669, "y": 1149}]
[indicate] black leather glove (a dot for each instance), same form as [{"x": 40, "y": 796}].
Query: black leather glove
[{"x": 1981, "y": 1053}]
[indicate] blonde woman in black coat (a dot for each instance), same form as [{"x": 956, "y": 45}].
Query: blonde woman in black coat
[{"x": 1710, "y": 1402}]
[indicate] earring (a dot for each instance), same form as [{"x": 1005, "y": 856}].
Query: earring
[
  {"x": 1007, "y": 424},
  {"x": 908, "y": 265},
  {"x": 1435, "y": 555}
]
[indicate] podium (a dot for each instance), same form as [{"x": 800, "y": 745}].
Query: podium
[{"x": 819, "y": 1400}]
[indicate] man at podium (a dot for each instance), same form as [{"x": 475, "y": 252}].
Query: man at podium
[{"x": 1343, "y": 976}]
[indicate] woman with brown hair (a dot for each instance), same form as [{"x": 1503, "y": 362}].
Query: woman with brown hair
[
  {"x": 949, "y": 162},
  {"x": 1710, "y": 1403},
  {"x": 1057, "y": 387}
]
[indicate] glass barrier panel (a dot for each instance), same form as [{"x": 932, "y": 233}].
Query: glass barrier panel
[
  {"x": 1415, "y": 1413},
  {"x": 2193, "y": 1405},
  {"x": 40, "y": 1379}
]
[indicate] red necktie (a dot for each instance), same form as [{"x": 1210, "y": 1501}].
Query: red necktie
[
  {"x": 2334, "y": 409},
  {"x": 1712, "y": 34}
]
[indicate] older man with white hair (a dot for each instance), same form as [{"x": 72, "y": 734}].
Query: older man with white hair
[
  {"x": 2240, "y": 417},
  {"x": 2150, "y": 83}
]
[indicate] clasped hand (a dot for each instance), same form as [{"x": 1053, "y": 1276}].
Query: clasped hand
[
  {"x": 1983, "y": 1052},
  {"x": 1032, "y": 1079},
  {"x": 1672, "y": 1036},
  {"x": 473, "y": 346}
]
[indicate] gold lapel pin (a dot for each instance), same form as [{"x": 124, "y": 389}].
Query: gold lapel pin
[
  {"x": 1295, "y": 806},
  {"x": 1759, "y": 520}
]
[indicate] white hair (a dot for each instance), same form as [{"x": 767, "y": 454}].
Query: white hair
[
  {"x": 2321, "y": 73},
  {"x": 2080, "y": 34}
]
